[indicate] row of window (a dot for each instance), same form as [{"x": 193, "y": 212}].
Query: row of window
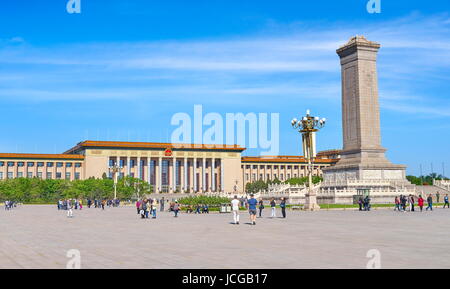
[
  {"x": 268, "y": 177},
  {"x": 30, "y": 175},
  {"x": 113, "y": 162},
  {"x": 274, "y": 167},
  {"x": 40, "y": 164}
]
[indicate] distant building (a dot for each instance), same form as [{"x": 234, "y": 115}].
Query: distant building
[{"x": 168, "y": 167}]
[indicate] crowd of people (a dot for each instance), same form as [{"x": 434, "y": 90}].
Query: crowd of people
[
  {"x": 199, "y": 209},
  {"x": 252, "y": 204},
  {"x": 103, "y": 203},
  {"x": 407, "y": 203},
  {"x": 364, "y": 203},
  {"x": 77, "y": 204},
  {"x": 148, "y": 206},
  {"x": 9, "y": 205}
]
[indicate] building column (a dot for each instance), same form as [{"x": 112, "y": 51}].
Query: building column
[
  {"x": 194, "y": 164},
  {"x": 190, "y": 177},
  {"x": 128, "y": 166},
  {"x": 139, "y": 167},
  {"x": 222, "y": 185},
  {"x": 186, "y": 169},
  {"x": 205, "y": 189},
  {"x": 159, "y": 175},
  {"x": 149, "y": 171},
  {"x": 4, "y": 170},
  {"x": 63, "y": 173},
  {"x": 44, "y": 173},
  {"x": 174, "y": 178},
  {"x": 213, "y": 175},
  {"x": 55, "y": 169}
]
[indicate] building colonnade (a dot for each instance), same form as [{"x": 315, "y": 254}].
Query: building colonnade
[{"x": 172, "y": 174}]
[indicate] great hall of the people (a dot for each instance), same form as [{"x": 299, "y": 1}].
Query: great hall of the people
[{"x": 167, "y": 167}]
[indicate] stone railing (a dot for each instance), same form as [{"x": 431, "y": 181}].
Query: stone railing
[
  {"x": 355, "y": 183},
  {"x": 443, "y": 184},
  {"x": 373, "y": 191}
]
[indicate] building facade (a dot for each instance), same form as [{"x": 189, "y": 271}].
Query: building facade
[{"x": 169, "y": 168}]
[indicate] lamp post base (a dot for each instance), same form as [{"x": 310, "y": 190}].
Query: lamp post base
[{"x": 311, "y": 203}]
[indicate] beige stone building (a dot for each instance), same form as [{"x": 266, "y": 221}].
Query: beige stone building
[{"x": 167, "y": 167}]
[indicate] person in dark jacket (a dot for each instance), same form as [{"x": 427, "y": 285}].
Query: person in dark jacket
[
  {"x": 446, "y": 203},
  {"x": 411, "y": 203},
  {"x": 367, "y": 203},
  {"x": 430, "y": 203},
  {"x": 283, "y": 207},
  {"x": 261, "y": 207}
]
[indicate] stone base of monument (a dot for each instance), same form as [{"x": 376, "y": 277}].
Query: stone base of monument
[
  {"x": 378, "y": 178},
  {"x": 311, "y": 203}
]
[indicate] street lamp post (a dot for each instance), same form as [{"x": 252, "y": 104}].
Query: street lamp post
[
  {"x": 307, "y": 126},
  {"x": 115, "y": 169}
]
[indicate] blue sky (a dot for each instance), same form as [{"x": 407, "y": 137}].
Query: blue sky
[{"x": 121, "y": 69}]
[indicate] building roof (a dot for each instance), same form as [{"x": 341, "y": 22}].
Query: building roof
[
  {"x": 41, "y": 156},
  {"x": 284, "y": 159},
  {"x": 329, "y": 152},
  {"x": 149, "y": 145}
]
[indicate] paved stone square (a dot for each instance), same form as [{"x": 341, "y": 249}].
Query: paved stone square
[{"x": 40, "y": 236}]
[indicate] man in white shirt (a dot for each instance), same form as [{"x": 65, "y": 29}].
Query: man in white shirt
[{"x": 235, "y": 208}]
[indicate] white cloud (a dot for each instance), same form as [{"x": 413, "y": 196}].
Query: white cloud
[{"x": 282, "y": 63}]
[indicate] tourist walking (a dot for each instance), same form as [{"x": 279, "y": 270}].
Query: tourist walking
[
  {"x": 138, "y": 206},
  {"x": 446, "y": 201},
  {"x": 367, "y": 203},
  {"x": 143, "y": 209},
  {"x": 283, "y": 207},
  {"x": 430, "y": 203},
  {"x": 148, "y": 208},
  {"x": 411, "y": 203},
  {"x": 261, "y": 207},
  {"x": 397, "y": 204},
  {"x": 154, "y": 207},
  {"x": 402, "y": 203},
  {"x": 420, "y": 202},
  {"x": 273, "y": 208},
  {"x": 161, "y": 205},
  {"x": 69, "y": 209},
  {"x": 251, "y": 205},
  {"x": 176, "y": 208},
  {"x": 235, "y": 208}
]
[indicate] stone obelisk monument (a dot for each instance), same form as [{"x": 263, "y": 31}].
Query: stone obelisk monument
[{"x": 363, "y": 165}]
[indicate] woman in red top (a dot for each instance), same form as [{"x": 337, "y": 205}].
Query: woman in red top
[
  {"x": 420, "y": 202},
  {"x": 138, "y": 206}
]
